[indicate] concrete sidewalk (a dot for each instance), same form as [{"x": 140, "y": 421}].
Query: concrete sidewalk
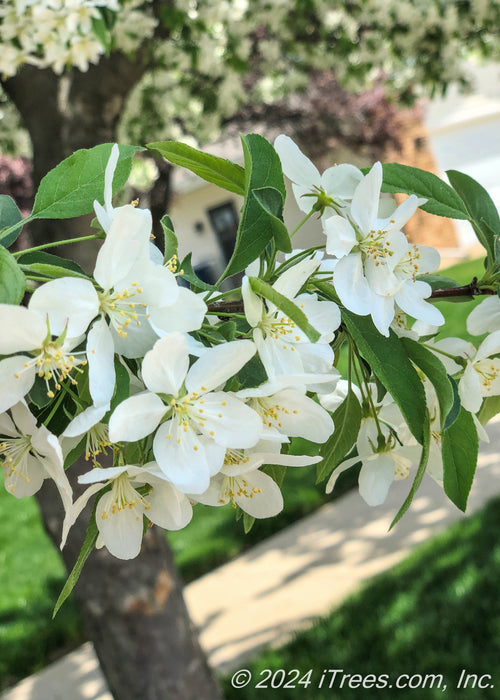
[{"x": 285, "y": 582}]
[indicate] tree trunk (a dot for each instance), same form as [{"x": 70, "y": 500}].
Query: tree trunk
[
  {"x": 135, "y": 614},
  {"x": 134, "y": 610}
]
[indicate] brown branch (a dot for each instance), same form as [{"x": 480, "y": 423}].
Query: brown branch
[{"x": 467, "y": 290}]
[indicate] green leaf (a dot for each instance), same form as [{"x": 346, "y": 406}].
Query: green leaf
[
  {"x": 87, "y": 547},
  {"x": 75, "y": 453},
  {"x": 261, "y": 216},
  {"x": 12, "y": 280},
  {"x": 40, "y": 256},
  {"x": 284, "y": 304},
  {"x": 122, "y": 385},
  {"x": 435, "y": 371},
  {"x": 347, "y": 421},
  {"x": 276, "y": 472},
  {"x": 489, "y": 409},
  {"x": 52, "y": 271},
  {"x": 71, "y": 187},
  {"x": 480, "y": 206},
  {"x": 248, "y": 521},
  {"x": 390, "y": 363},
  {"x": 190, "y": 275},
  {"x": 221, "y": 172},
  {"x": 459, "y": 448},
  {"x": 9, "y": 216},
  {"x": 455, "y": 409},
  {"x": 171, "y": 242},
  {"x": 442, "y": 200},
  {"x": 38, "y": 393},
  {"x": 422, "y": 466}
]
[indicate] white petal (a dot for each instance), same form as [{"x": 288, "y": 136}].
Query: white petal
[
  {"x": 347, "y": 464},
  {"x": 291, "y": 281},
  {"x": 54, "y": 467},
  {"x": 122, "y": 529},
  {"x": 219, "y": 364},
  {"x": 182, "y": 457},
  {"x": 158, "y": 283},
  {"x": 365, "y": 201},
  {"x": 485, "y": 317},
  {"x": 410, "y": 298},
  {"x": 298, "y": 416},
  {"x": 67, "y": 301},
  {"x": 324, "y": 316},
  {"x": 7, "y": 427},
  {"x": 402, "y": 214},
  {"x": 22, "y": 329},
  {"x": 100, "y": 356},
  {"x": 137, "y": 341},
  {"x": 227, "y": 420},
  {"x": 136, "y": 417},
  {"x": 164, "y": 368},
  {"x": 75, "y": 510},
  {"x": 15, "y": 380},
  {"x": 127, "y": 241},
  {"x": 85, "y": 420},
  {"x": 375, "y": 479},
  {"x": 23, "y": 418},
  {"x": 263, "y": 499},
  {"x": 382, "y": 313},
  {"x": 340, "y": 181},
  {"x": 99, "y": 474},
  {"x": 351, "y": 285},
  {"x": 186, "y": 314},
  {"x": 489, "y": 346},
  {"x": 340, "y": 236},
  {"x": 252, "y": 303},
  {"x": 27, "y": 477},
  {"x": 168, "y": 507},
  {"x": 296, "y": 166}
]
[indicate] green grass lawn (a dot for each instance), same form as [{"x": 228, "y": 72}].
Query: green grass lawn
[
  {"x": 437, "y": 612},
  {"x": 31, "y": 574}
]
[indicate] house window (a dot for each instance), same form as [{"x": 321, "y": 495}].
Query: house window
[{"x": 224, "y": 220}]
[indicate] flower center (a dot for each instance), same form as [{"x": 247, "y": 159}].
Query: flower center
[
  {"x": 280, "y": 328},
  {"x": 13, "y": 451},
  {"x": 236, "y": 486},
  {"x": 123, "y": 496},
  {"x": 52, "y": 361},
  {"x": 409, "y": 263},
  {"x": 117, "y": 305},
  {"x": 96, "y": 443},
  {"x": 375, "y": 245}
]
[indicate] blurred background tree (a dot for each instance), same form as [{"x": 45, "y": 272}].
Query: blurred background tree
[{"x": 76, "y": 73}]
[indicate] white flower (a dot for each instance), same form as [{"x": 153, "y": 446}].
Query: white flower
[
  {"x": 30, "y": 455},
  {"x": 377, "y": 267},
  {"x": 485, "y": 317},
  {"x": 336, "y": 184},
  {"x": 380, "y": 466},
  {"x": 88, "y": 423},
  {"x": 241, "y": 483},
  {"x": 53, "y": 360},
  {"x": 283, "y": 348},
  {"x": 198, "y": 422},
  {"x": 288, "y": 412},
  {"x": 132, "y": 286},
  {"x": 481, "y": 374},
  {"x": 120, "y": 511}
]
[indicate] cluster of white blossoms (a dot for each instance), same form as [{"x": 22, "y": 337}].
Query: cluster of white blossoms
[
  {"x": 375, "y": 267},
  {"x": 59, "y": 34},
  {"x": 135, "y": 371}
]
